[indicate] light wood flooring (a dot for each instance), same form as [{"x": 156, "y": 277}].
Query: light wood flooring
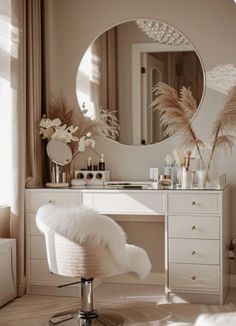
[{"x": 35, "y": 310}]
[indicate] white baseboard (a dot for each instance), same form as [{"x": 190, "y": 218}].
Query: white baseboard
[{"x": 153, "y": 278}]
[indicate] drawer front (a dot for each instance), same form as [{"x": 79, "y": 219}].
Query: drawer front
[
  {"x": 194, "y": 203},
  {"x": 37, "y": 247},
  {"x": 129, "y": 203},
  {"x": 38, "y": 199},
  {"x": 193, "y": 227},
  {"x": 194, "y": 251},
  {"x": 39, "y": 274},
  {"x": 197, "y": 278}
]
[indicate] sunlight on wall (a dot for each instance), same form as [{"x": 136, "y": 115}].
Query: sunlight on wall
[
  {"x": 88, "y": 81},
  {"x": 5, "y": 141}
]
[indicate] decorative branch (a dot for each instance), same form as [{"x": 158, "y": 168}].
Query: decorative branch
[{"x": 111, "y": 127}]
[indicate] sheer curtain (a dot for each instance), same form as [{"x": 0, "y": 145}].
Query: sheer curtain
[
  {"x": 5, "y": 102},
  {"x": 21, "y": 94}
]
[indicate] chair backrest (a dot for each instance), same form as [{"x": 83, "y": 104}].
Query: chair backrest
[
  {"x": 71, "y": 259},
  {"x": 83, "y": 243}
]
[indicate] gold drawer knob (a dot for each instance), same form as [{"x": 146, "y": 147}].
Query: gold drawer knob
[
  {"x": 51, "y": 201},
  {"x": 194, "y": 252},
  {"x": 194, "y": 278},
  {"x": 194, "y": 203},
  {"x": 193, "y": 227}
]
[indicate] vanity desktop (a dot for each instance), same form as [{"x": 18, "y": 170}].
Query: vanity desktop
[{"x": 197, "y": 234}]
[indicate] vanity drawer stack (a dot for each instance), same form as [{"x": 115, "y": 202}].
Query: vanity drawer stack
[
  {"x": 197, "y": 238},
  {"x": 39, "y": 279}
]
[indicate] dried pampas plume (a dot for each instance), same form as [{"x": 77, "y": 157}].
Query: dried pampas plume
[
  {"x": 176, "y": 113},
  {"x": 105, "y": 123},
  {"x": 60, "y": 108},
  {"x": 224, "y": 128},
  {"x": 111, "y": 127}
]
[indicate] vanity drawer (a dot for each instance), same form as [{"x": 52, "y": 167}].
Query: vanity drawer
[
  {"x": 60, "y": 198},
  {"x": 194, "y": 251},
  {"x": 194, "y": 203},
  {"x": 199, "y": 278},
  {"x": 128, "y": 203},
  {"x": 201, "y": 227}
]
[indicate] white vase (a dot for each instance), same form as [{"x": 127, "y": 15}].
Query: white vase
[
  {"x": 201, "y": 178},
  {"x": 186, "y": 179}
]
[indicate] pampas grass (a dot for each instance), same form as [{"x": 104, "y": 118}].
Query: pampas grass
[
  {"x": 105, "y": 123},
  {"x": 111, "y": 127},
  {"x": 224, "y": 128},
  {"x": 176, "y": 113}
]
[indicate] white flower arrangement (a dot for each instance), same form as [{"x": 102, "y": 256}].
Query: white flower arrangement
[{"x": 53, "y": 129}]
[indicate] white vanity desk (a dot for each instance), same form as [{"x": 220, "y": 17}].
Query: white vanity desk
[{"x": 197, "y": 231}]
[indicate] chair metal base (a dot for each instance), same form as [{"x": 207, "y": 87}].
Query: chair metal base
[{"x": 75, "y": 318}]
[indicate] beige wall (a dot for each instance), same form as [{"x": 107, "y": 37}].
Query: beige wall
[{"x": 209, "y": 24}]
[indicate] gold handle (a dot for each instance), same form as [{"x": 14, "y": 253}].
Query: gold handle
[
  {"x": 194, "y": 203},
  {"x": 193, "y": 252},
  {"x": 194, "y": 278},
  {"x": 193, "y": 227},
  {"x": 51, "y": 201}
]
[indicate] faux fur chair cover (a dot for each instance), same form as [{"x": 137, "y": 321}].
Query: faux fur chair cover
[{"x": 81, "y": 224}]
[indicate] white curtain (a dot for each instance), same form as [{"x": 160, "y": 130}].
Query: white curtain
[
  {"x": 6, "y": 94},
  {"x": 20, "y": 112}
]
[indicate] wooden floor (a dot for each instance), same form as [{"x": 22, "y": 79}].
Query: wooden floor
[{"x": 34, "y": 310}]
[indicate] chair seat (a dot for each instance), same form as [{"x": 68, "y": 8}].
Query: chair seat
[{"x": 85, "y": 260}]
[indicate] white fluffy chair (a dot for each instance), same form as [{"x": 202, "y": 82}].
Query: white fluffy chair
[{"x": 83, "y": 243}]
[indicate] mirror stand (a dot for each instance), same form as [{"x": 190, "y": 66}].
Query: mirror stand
[
  {"x": 58, "y": 176},
  {"x": 60, "y": 155}
]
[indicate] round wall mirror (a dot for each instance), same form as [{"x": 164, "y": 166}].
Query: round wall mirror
[{"x": 120, "y": 68}]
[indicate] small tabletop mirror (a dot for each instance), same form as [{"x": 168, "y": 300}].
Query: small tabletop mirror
[
  {"x": 59, "y": 152},
  {"x": 61, "y": 155}
]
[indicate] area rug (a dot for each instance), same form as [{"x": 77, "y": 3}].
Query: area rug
[{"x": 150, "y": 313}]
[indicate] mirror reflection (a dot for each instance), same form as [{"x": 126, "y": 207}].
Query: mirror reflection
[{"x": 121, "y": 66}]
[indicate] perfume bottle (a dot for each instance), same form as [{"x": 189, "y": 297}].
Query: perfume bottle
[
  {"x": 89, "y": 164},
  {"x": 101, "y": 163}
]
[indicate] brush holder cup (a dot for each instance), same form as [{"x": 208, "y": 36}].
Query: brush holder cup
[{"x": 90, "y": 178}]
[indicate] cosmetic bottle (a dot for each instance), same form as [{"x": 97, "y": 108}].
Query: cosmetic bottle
[
  {"x": 89, "y": 164},
  {"x": 169, "y": 167},
  {"x": 153, "y": 177},
  {"x": 186, "y": 178},
  {"x": 101, "y": 163}
]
